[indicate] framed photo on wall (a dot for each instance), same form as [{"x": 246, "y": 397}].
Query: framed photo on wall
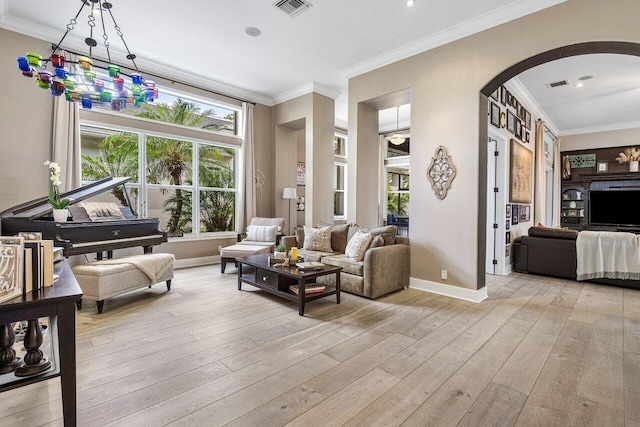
[
  {"x": 503, "y": 95},
  {"x": 496, "y": 94},
  {"x": 507, "y": 237},
  {"x": 495, "y": 114},
  {"x": 301, "y": 173},
  {"x": 515, "y": 214},
  {"x": 518, "y": 131},
  {"x": 508, "y": 213},
  {"x": 511, "y": 122},
  {"x": 602, "y": 167},
  {"x": 520, "y": 173},
  {"x": 507, "y": 225}
]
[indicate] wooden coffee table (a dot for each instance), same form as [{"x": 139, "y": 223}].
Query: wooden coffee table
[{"x": 276, "y": 280}]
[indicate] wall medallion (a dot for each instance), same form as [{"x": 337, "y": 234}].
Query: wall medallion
[{"x": 441, "y": 172}]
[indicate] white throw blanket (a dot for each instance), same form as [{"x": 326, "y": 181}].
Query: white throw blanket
[
  {"x": 152, "y": 266},
  {"x": 606, "y": 254}
]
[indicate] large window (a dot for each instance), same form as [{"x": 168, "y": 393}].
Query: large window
[
  {"x": 398, "y": 192},
  {"x": 188, "y": 183}
]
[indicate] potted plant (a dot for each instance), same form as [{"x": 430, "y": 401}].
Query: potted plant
[
  {"x": 60, "y": 211},
  {"x": 631, "y": 156},
  {"x": 280, "y": 251}
]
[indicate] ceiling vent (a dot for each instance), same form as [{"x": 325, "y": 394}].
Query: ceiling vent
[
  {"x": 292, "y": 7},
  {"x": 558, "y": 84}
]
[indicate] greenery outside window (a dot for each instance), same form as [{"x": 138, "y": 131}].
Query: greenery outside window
[
  {"x": 398, "y": 192},
  {"x": 173, "y": 168}
]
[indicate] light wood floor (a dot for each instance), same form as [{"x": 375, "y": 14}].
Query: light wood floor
[{"x": 538, "y": 352}]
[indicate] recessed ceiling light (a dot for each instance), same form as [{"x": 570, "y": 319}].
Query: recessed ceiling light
[
  {"x": 410, "y": 2},
  {"x": 579, "y": 85},
  {"x": 585, "y": 77},
  {"x": 252, "y": 31}
]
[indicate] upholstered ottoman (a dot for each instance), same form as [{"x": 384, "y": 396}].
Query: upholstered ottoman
[
  {"x": 230, "y": 253},
  {"x": 104, "y": 279}
]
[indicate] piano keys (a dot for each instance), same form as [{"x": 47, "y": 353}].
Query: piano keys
[{"x": 81, "y": 235}]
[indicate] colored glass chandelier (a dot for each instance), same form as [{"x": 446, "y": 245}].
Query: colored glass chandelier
[{"x": 78, "y": 81}]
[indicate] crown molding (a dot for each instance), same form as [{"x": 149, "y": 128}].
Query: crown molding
[
  {"x": 305, "y": 89},
  {"x": 75, "y": 43},
  {"x": 517, "y": 88},
  {"x": 4, "y": 9},
  {"x": 483, "y": 22},
  {"x": 604, "y": 128}
]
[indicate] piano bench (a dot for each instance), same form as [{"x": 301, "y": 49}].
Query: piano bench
[{"x": 104, "y": 279}]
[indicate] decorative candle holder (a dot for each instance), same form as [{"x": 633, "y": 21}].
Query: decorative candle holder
[
  {"x": 85, "y": 63},
  {"x": 57, "y": 60},
  {"x": 63, "y": 73},
  {"x": 114, "y": 70},
  {"x": 136, "y": 79},
  {"x": 57, "y": 87},
  {"x": 98, "y": 85},
  {"x": 45, "y": 76},
  {"x": 35, "y": 59},
  {"x": 90, "y": 76},
  {"x": 23, "y": 64}
]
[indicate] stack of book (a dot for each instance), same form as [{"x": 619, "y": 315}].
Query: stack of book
[
  {"x": 309, "y": 289},
  {"x": 310, "y": 265},
  {"x": 26, "y": 264}
]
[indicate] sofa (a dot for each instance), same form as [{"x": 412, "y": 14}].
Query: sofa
[
  {"x": 384, "y": 268},
  {"x": 552, "y": 252}
]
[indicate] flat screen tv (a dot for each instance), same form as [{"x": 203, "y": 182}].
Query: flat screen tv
[{"x": 614, "y": 207}]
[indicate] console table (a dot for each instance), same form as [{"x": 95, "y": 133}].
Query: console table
[
  {"x": 276, "y": 280},
  {"x": 56, "y": 302}
]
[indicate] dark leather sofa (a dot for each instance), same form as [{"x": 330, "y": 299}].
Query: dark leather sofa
[{"x": 552, "y": 252}]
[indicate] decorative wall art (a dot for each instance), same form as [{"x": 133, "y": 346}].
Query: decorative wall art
[
  {"x": 515, "y": 214},
  {"x": 508, "y": 224},
  {"x": 11, "y": 267},
  {"x": 583, "y": 160},
  {"x": 520, "y": 168},
  {"x": 300, "y": 204},
  {"x": 507, "y": 237},
  {"x": 441, "y": 172},
  {"x": 301, "y": 173},
  {"x": 503, "y": 95},
  {"x": 518, "y": 131},
  {"x": 524, "y": 213},
  {"x": 495, "y": 114},
  {"x": 508, "y": 213},
  {"x": 503, "y": 120}
]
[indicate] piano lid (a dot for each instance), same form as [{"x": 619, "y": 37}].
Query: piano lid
[{"x": 40, "y": 207}]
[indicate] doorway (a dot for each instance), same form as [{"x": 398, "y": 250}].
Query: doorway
[{"x": 624, "y": 48}]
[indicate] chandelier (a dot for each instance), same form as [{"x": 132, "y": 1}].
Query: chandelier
[
  {"x": 78, "y": 81},
  {"x": 397, "y": 138}
]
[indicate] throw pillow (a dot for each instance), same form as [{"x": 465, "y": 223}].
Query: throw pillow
[
  {"x": 388, "y": 233},
  {"x": 376, "y": 242},
  {"x": 358, "y": 245},
  {"x": 262, "y": 233},
  {"x": 317, "y": 239},
  {"x": 339, "y": 233}
]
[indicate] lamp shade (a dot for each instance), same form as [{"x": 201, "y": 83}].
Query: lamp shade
[
  {"x": 289, "y": 193},
  {"x": 397, "y": 139}
]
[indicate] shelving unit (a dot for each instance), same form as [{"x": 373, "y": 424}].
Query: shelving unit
[{"x": 572, "y": 209}]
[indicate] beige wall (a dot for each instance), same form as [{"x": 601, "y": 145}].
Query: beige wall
[
  {"x": 444, "y": 84},
  {"x": 613, "y": 138},
  {"x": 26, "y": 115}
]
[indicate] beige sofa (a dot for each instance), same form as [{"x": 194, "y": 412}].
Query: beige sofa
[{"x": 384, "y": 269}]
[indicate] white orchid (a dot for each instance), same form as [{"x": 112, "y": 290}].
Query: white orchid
[{"x": 54, "y": 194}]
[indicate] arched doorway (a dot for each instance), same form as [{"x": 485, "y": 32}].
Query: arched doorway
[{"x": 614, "y": 47}]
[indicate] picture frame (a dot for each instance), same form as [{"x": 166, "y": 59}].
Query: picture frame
[
  {"x": 515, "y": 214},
  {"x": 527, "y": 136},
  {"x": 503, "y": 95},
  {"x": 495, "y": 114},
  {"x": 511, "y": 122},
  {"x": 300, "y": 204},
  {"x": 518, "y": 131},
  {"x": 508, "y": 213},
  {"x": 507, "y": 251},
  {"x": 301, "y": 173},
  {"x": 527, "y": 211},
  {"x": 496, "y": 95},
  {"x": 503, "y": 120},
  {"x": 507, "y": 237},
  {"x": 523, "y": 213},
  {"x": 507, "y": 225},
  {"x": 521, "y": 173},
  {"x": 11, "y": 267},
  {"x": 602, "y": 166},
  {"x": 528, "y": 120},
  {"x": 508, "y": 98}
]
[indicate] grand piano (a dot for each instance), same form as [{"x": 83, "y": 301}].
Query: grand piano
[{"x": 79, "y": 235}]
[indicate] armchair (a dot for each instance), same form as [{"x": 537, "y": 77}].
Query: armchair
[{"x": 262, "y": 232}]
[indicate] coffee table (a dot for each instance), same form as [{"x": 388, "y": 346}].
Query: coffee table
[{"x": 276, "y": 280}]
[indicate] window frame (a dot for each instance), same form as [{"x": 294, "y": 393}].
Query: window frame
[
  {"x": 119, "y": 122},
  {"x": 343, "y": 162}
]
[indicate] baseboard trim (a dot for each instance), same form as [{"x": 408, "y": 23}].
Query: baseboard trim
[
  {"x": 448, "y": 290},
  {"x": 195, "y": 262}
]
